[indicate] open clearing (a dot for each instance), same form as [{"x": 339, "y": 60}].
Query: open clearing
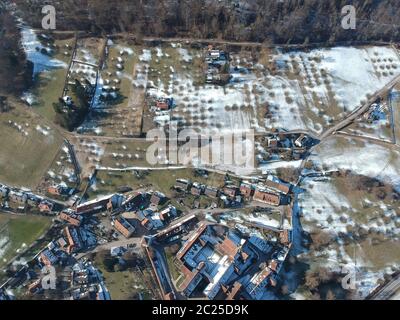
[
  {"x": 27, "y": 146},
  {"x": 20, "y": 232}
]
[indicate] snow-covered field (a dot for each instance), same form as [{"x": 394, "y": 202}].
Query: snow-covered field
[
  {"x": 369, "y": 159},
  {"x": 327, "y": 207},
  {"x": 333, "y": 81},
  {"x": 33, "y": 49},
  {"x": 309, "y": 90}
]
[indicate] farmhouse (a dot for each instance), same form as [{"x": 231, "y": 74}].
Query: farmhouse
[
  {"x": 277, "y": 186},
  {"x": 124, "y": 227},
  {"x": 262, "y": 195}
]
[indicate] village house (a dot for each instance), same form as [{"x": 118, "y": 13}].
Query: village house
[
  {"x": 285, "y": 237},
  {"x": 4, "y": 190},
  {"x": 19, "y": 198},
  {"x": 277, "y": 186},
  {"x": 108, "y": 202},
  {"x": 196, "y": 189},
  {"x": 182, "y": 184},
  {"x": 71, "y": 218},
  {"x": 135, "y": 201},
  {"x": 262, "y": 195},
  {"x": 33, "y": 201},
  {"x": 124, "y": 227},
  {"x": 247, "y": 190},
  {"x": 235, "y": 292},
  {"x": 146, "y": 223},
  {"x": 48, "y": 258},
  {"x": 157, "y": 198},
  {"x": 258, "y": 282},
  {"x": 73, "y": 239},
  {"x": 59, "y": 190},
  {"x": 211, "y": 192},
  {"x": 231, "y": 191},
  {"x": 46, "y": 206},
  {"x": 35, "y": 285},
  {"x": 164, "y": 103}
]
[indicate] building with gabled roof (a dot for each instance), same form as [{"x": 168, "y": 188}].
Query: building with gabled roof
[
  {"x": 124, "y": 227},
  {"x": 247, "y": 190},
  {"x": 277, "y": 186},
  {"x": 71, "y": 218},
  {"x": 264, "y": 196}
]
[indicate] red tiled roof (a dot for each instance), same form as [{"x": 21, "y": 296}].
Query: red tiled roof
[{"x": 191, "y": 241}]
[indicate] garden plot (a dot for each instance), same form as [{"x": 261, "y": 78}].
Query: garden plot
[
  {"x": 85, "y": 64},
  {"x": 89, "y": 153},
  {"x": 160, "y": 180},
  {"x": 177, "y": 71},
  {"x": 125, "y": 153},
  {"x": 38, "y": 53},
  {"x": 90, "y": 50},
  {"x": 117, "y": 110},
  {"x": 333, "y": 204},
  {"x": 266, "y": 220},
  {"x": 61, "y": 172}
]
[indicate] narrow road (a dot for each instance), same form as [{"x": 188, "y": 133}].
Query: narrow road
[
  {"x": 359, "y": 111},
  {"x": 350, "y": 118},
  {"x": 384, "y": 143}
]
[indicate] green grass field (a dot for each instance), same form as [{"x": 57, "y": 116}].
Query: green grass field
[
  {"x": 49, "y": 85},
  {"x": 22, "y": 231},
  {"x": 25, "y": 158}
]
